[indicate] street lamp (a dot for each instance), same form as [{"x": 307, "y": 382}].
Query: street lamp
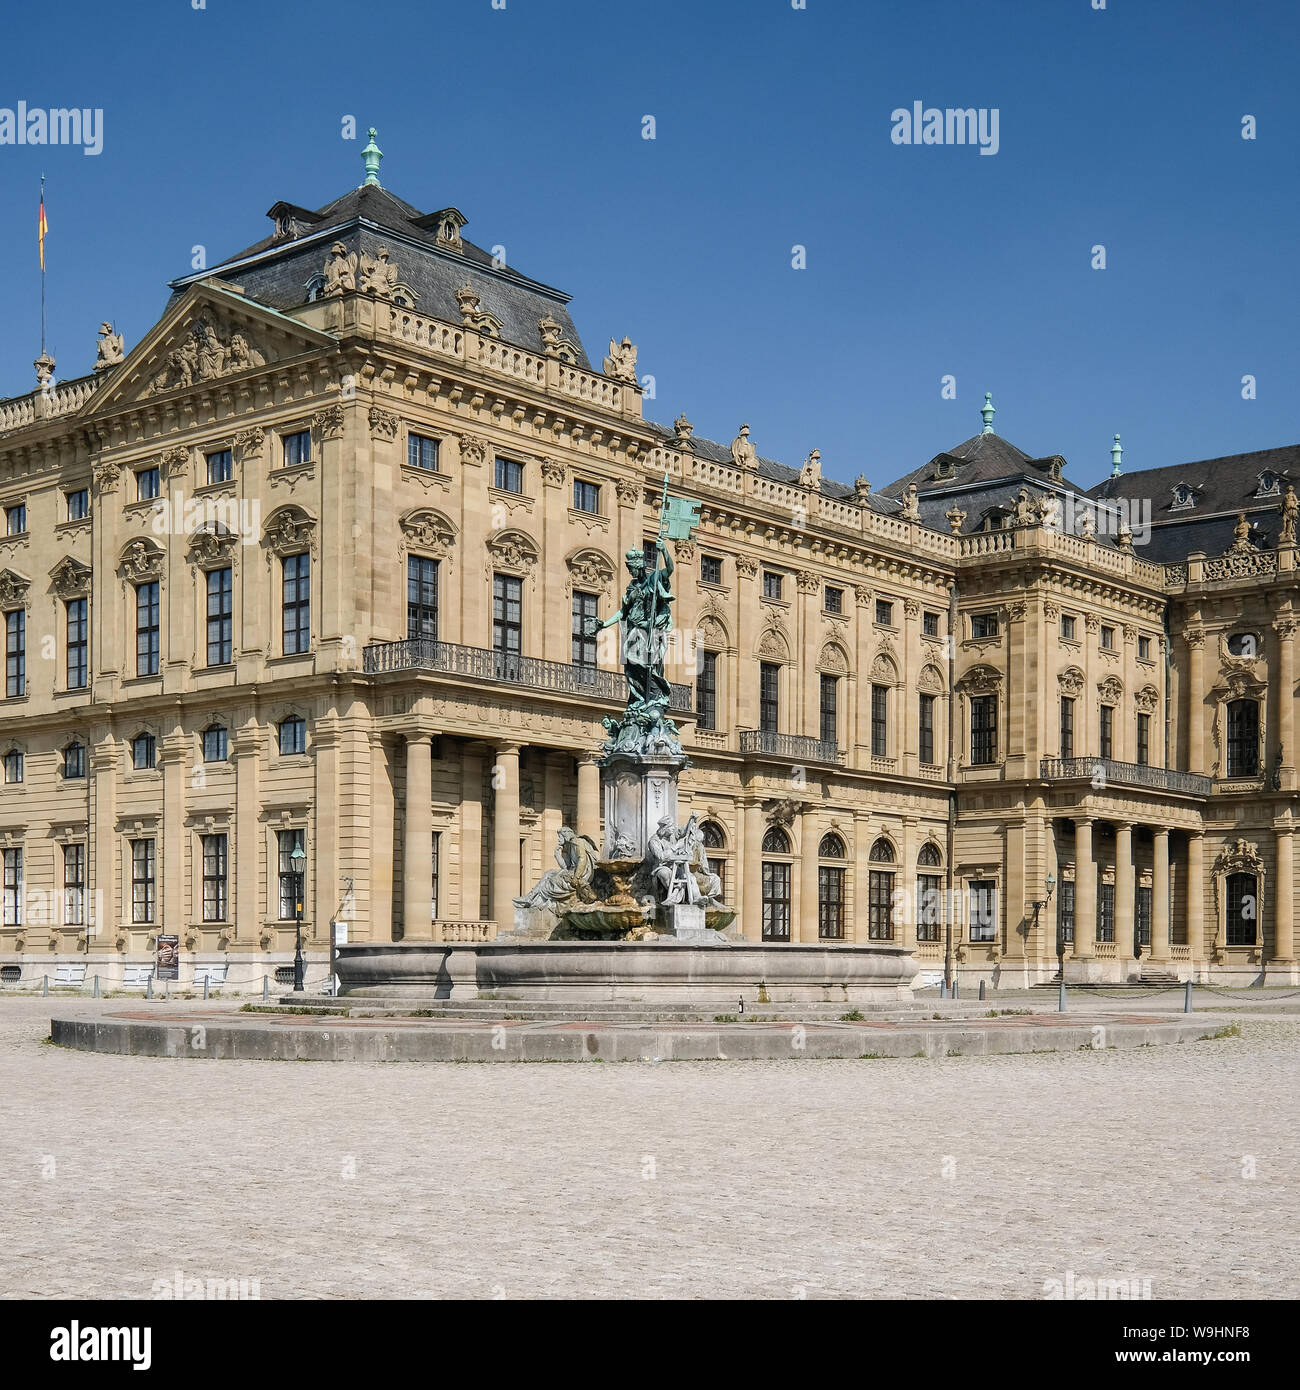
[{"x": 299, "y": 861}]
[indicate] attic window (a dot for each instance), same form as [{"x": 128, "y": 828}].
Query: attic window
[
  {"x": 1268, "y": 484},
  {"x": 315, "y": 288},
  {"x": 943, "y": 468},
  {"x": 993, "y": 520},
  {"x": 1184, "y": 496}
]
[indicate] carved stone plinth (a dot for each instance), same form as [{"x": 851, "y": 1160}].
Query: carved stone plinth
[{"x": 640, "y": 790}]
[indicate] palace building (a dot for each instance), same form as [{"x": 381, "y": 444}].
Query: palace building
[{"x": 295, "y": 598}]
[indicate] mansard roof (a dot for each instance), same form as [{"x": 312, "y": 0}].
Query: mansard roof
[
  {"x": 983, "y": 458},
  {"x": 279, "y": 269}
]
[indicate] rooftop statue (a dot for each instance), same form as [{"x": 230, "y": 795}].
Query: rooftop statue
[{"x": 110, "y": 349}]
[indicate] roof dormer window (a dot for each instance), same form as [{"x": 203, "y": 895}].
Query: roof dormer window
[
  {"x": 315, "y": 288},
  {"x": 1269, "y": 484},
  {"x": 1184, "y": 496}
]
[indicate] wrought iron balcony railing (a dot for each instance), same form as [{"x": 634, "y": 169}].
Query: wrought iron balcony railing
[
  {"x": 797, "y": 747},
  {"x": 1103, "y": 770},
  {"x": 484, "y": 664}
]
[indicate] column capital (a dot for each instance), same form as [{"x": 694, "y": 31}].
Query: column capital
[{"x": 505, "y": 749}]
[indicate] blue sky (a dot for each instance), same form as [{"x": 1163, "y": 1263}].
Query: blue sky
[{"x": 1119, "y": 127}]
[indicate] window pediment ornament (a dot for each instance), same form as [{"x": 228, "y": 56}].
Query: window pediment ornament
[
  {"x": 710, "y": 633},
  {"x": 980, "y": 680},
  {"x": 70, "y": 578},
  {"x": 1241, "y": 857},
  {"x": 1111, "y": 690},
  {"x": 783, "y": 811},
  {"x": 1071, "y": 681},
  {"x": 429, "y": 530},
  {"x": 883, "y": 669},
  {"x": 773, "y": 642},
  {"x": 1147, "y": 699},
  {"x": 930, "y": 680},
  {"x": 141, "y": 559},
  {"x": 590, "y": 569},
  {"x": 512, "y": 550},
  {"x": 833, "y": 660},
  {"x": 290, "y": 530},
  {"x": 212, "y": 545},
  {"x": 13, "y": 588}
]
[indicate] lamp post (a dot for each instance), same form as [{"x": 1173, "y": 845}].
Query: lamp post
[{"x": 299, "y": 861}]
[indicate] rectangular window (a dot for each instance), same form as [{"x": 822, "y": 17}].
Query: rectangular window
[
  {"x": 834, "y": 600},
  {"x": 586, "y": 496},
  {"x": 296, "y": 571},
  {"x": 769, "y": 697},
  {"x": 719, "y": 867},
  {"x": 776, "y": 901},
  {"x": 706, "y": 692},
  {"x": 830, "y": 903},
  {"x": 984, "y": 625},
  {"x": 584, "y": 618},
  {"x": 15, "y": 762},
  {"x": 710, "y": 569},
  {"x": 437, "y": 864},
  {"x": 74, "y": 761},
  {"x": 1107, "y": 638},
  {"x": 983, "y": 730},
  {"x": 216, "y": 744},
  {"x": 1243, "y": 910},
  {"x": 15, "y": 653},
  {"x": 1144, "y": 739},
  {"x": 1106, "y": 732},
  {"x": 1067, "y": 727},
  {"x": 78, "y": 504},
  {"x": 221, "y": 611},
  {"x": 650, "y": 550},
  {"x": 829, "y": 724},
  {"x": 214, "y": 878},
  {"x": 507, "y": 624},
  {"x": 221, "y": 467},
  {"x": 297, "y": 448},
  {"x": 1068, "y": 624},
  {"x": 772, "y": 584},
  {"x": 884, "y": 612},
  {"x": 1143, "y": 916},
  {"x": 1106, "y": 912},
  {"x": 509, "y": 475},
  {"x": 1243, "y": 738},
  {"x": 147, "y": 629},
  {"x": 147, "y": 485},
  {"x": 144, "y": 749},
  {"x": 422, "y": 452},
  {"x": 880, "y": 905},
  {"x": 929, "y": 906},
  {"x": 76, "y": 610},
  {"x": 16, "y": 519},
  {"x": 982, "y": 898},
  {"x": 74, "y": 885},
  {"x": 880, "y": 721},
  {"x": 421, "y": 598},
  {"x": 1144, "y": 649},
  {"x": 144, "y": 880},
  {"x": 925, "y": 728},
  {"x": 1065, "y": 912},
  {"x": 290, "y": 880},
  {"x": 13, "y": 888},
  {"x": 929, "y": 624}
]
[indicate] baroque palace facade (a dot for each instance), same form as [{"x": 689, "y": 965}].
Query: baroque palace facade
[{"x": 295, "y": 599}]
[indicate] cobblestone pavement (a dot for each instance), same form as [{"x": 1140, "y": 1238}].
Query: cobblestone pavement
[{"x": 961, "y": 1177}]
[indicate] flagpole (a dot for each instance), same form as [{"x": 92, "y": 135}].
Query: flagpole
[{"x": 42, "y": 230}]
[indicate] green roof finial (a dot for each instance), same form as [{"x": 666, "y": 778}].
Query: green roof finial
[
  {"x": 987, "y": 410},
  {"x": 371, "y": 156},
  {"x": 1116, "y": 458}
]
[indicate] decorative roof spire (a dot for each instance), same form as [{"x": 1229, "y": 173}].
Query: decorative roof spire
[
  {"x": 987, "y": 410},
  {"x": 1116, "y": 458},
  {"x": 370, "y": 157}
]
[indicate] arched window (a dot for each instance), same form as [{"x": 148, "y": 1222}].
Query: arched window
[
  {"x": 1243, "y": 910},
  {"x": 831, "y": 847},
  {"x": 880, "y": 893},
  {"x": 715, "y": 839},
  {"x": 1243, "y": 738},
  {"x": 711, "y": 833},
  {"x": 882, "y": 852},
  {"x": 776, "y": 841},
  {"x": 830, "y": 893},
  {"x": 215, "y": 744},
  {"x": 929, "y": 894},
  {"x": 74, "y": 760},
  {"x": 144, "y": 751},
  {"x": 293, "y": 734},
  {"x": 929, "y": 856}
]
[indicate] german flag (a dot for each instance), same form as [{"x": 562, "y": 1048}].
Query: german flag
[{"x": 42, "y": 226}]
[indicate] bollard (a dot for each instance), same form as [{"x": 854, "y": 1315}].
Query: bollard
[
  {"x": 981, "y": 989},
  {"x": 1187, "y": 997},
  {"x": 45, "y": 987},
  {"x": 148, "y": 986},
  {"x": 96, "y": 993},
  {"x": 956, "y": 989},
  {"x": 943, "y": 989},
  {"x": 266, "y": 988},
  {"x": 1060, "y": 999},
  {"x": 205, "y": 986}
]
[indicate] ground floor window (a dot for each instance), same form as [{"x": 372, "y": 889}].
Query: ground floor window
[
  {"x": 880, "y": 906},
  {"x": 929, "y": 906},
  {"x": 1243, "y": 910},
  {"x": 776, "y": 901},
  {"x": 215, "y": 905},
  {"x": 1143, "y": 916},
  {"x": 1106, "y": 912},
  {"x": 983, "y": 910},
  {"x": 74, "y": 885},
  {"x": 290, "y": 879},
  {"x": 13, "y": 887},
  {"x": 830, "y": 903},
  {"x": 1065, "y": 912},
  {"x": 144, "y": 880}
]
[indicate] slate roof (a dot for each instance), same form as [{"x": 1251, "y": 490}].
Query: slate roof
[
  {"x": 276, "y": 270},
  {"x": 983, "y": 458}
]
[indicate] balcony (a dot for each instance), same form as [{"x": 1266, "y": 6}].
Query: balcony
[
  {"x": 795, "y": 747},
  {"x": 1109, "y": 771},
  {"x": 504, "y": 668}
]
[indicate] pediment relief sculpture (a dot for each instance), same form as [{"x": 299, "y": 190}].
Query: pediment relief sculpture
[
  {"x": 290, "y": 530},
  {"x": 590, "y": 569},
  {"x": 429, "y": 530},
  {"x": 211, "y": 349},
  {"x": 211, "y": 545},
  {"x": 70, "y": 578},
  {"x": 980, "y": 680},
  {"x": 141, "y": 559},
  {"x": 13, "y": 588},
  {"x": 512, "y": 550}
]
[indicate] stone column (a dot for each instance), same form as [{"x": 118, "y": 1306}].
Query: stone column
[
  {"x": 1018, "y": 891},
  {"x": 1195, "y": 898},
  {"x": 471, "y": 833},
  {"x": 246, "y": 749},
  {"x": 589, "y": 798},
  {"x": 1124, "y": 899},
  {"x": 1196, "y": 702},
  {"x": 856, "y": 929},
  {"x": 174, "y": 753},
  {"x": 505, "y": 836},
  {"x": 750, "y": 906},
  {"x": 1160, "y": 896},
  {"x": 382, "y": 807},
  {"x": 1284, "y": 897},
  {"x": 805, "y": 923},
  {"x": 1286, "y": 698},
  {"x": 417, "y": 841},
  {"x": 905, "y": 884},
  {"x": 101, "y": 915},
  {"x": 1085, "y": 891}
]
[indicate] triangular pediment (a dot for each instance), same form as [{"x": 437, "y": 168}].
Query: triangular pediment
[{"x": 211, "y": 334}]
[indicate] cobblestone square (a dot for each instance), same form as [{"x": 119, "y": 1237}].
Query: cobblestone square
[{"x": 961, "y": 1177}]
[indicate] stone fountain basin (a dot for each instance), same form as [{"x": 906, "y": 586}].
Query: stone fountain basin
[{"x": 635, "y": 970}]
